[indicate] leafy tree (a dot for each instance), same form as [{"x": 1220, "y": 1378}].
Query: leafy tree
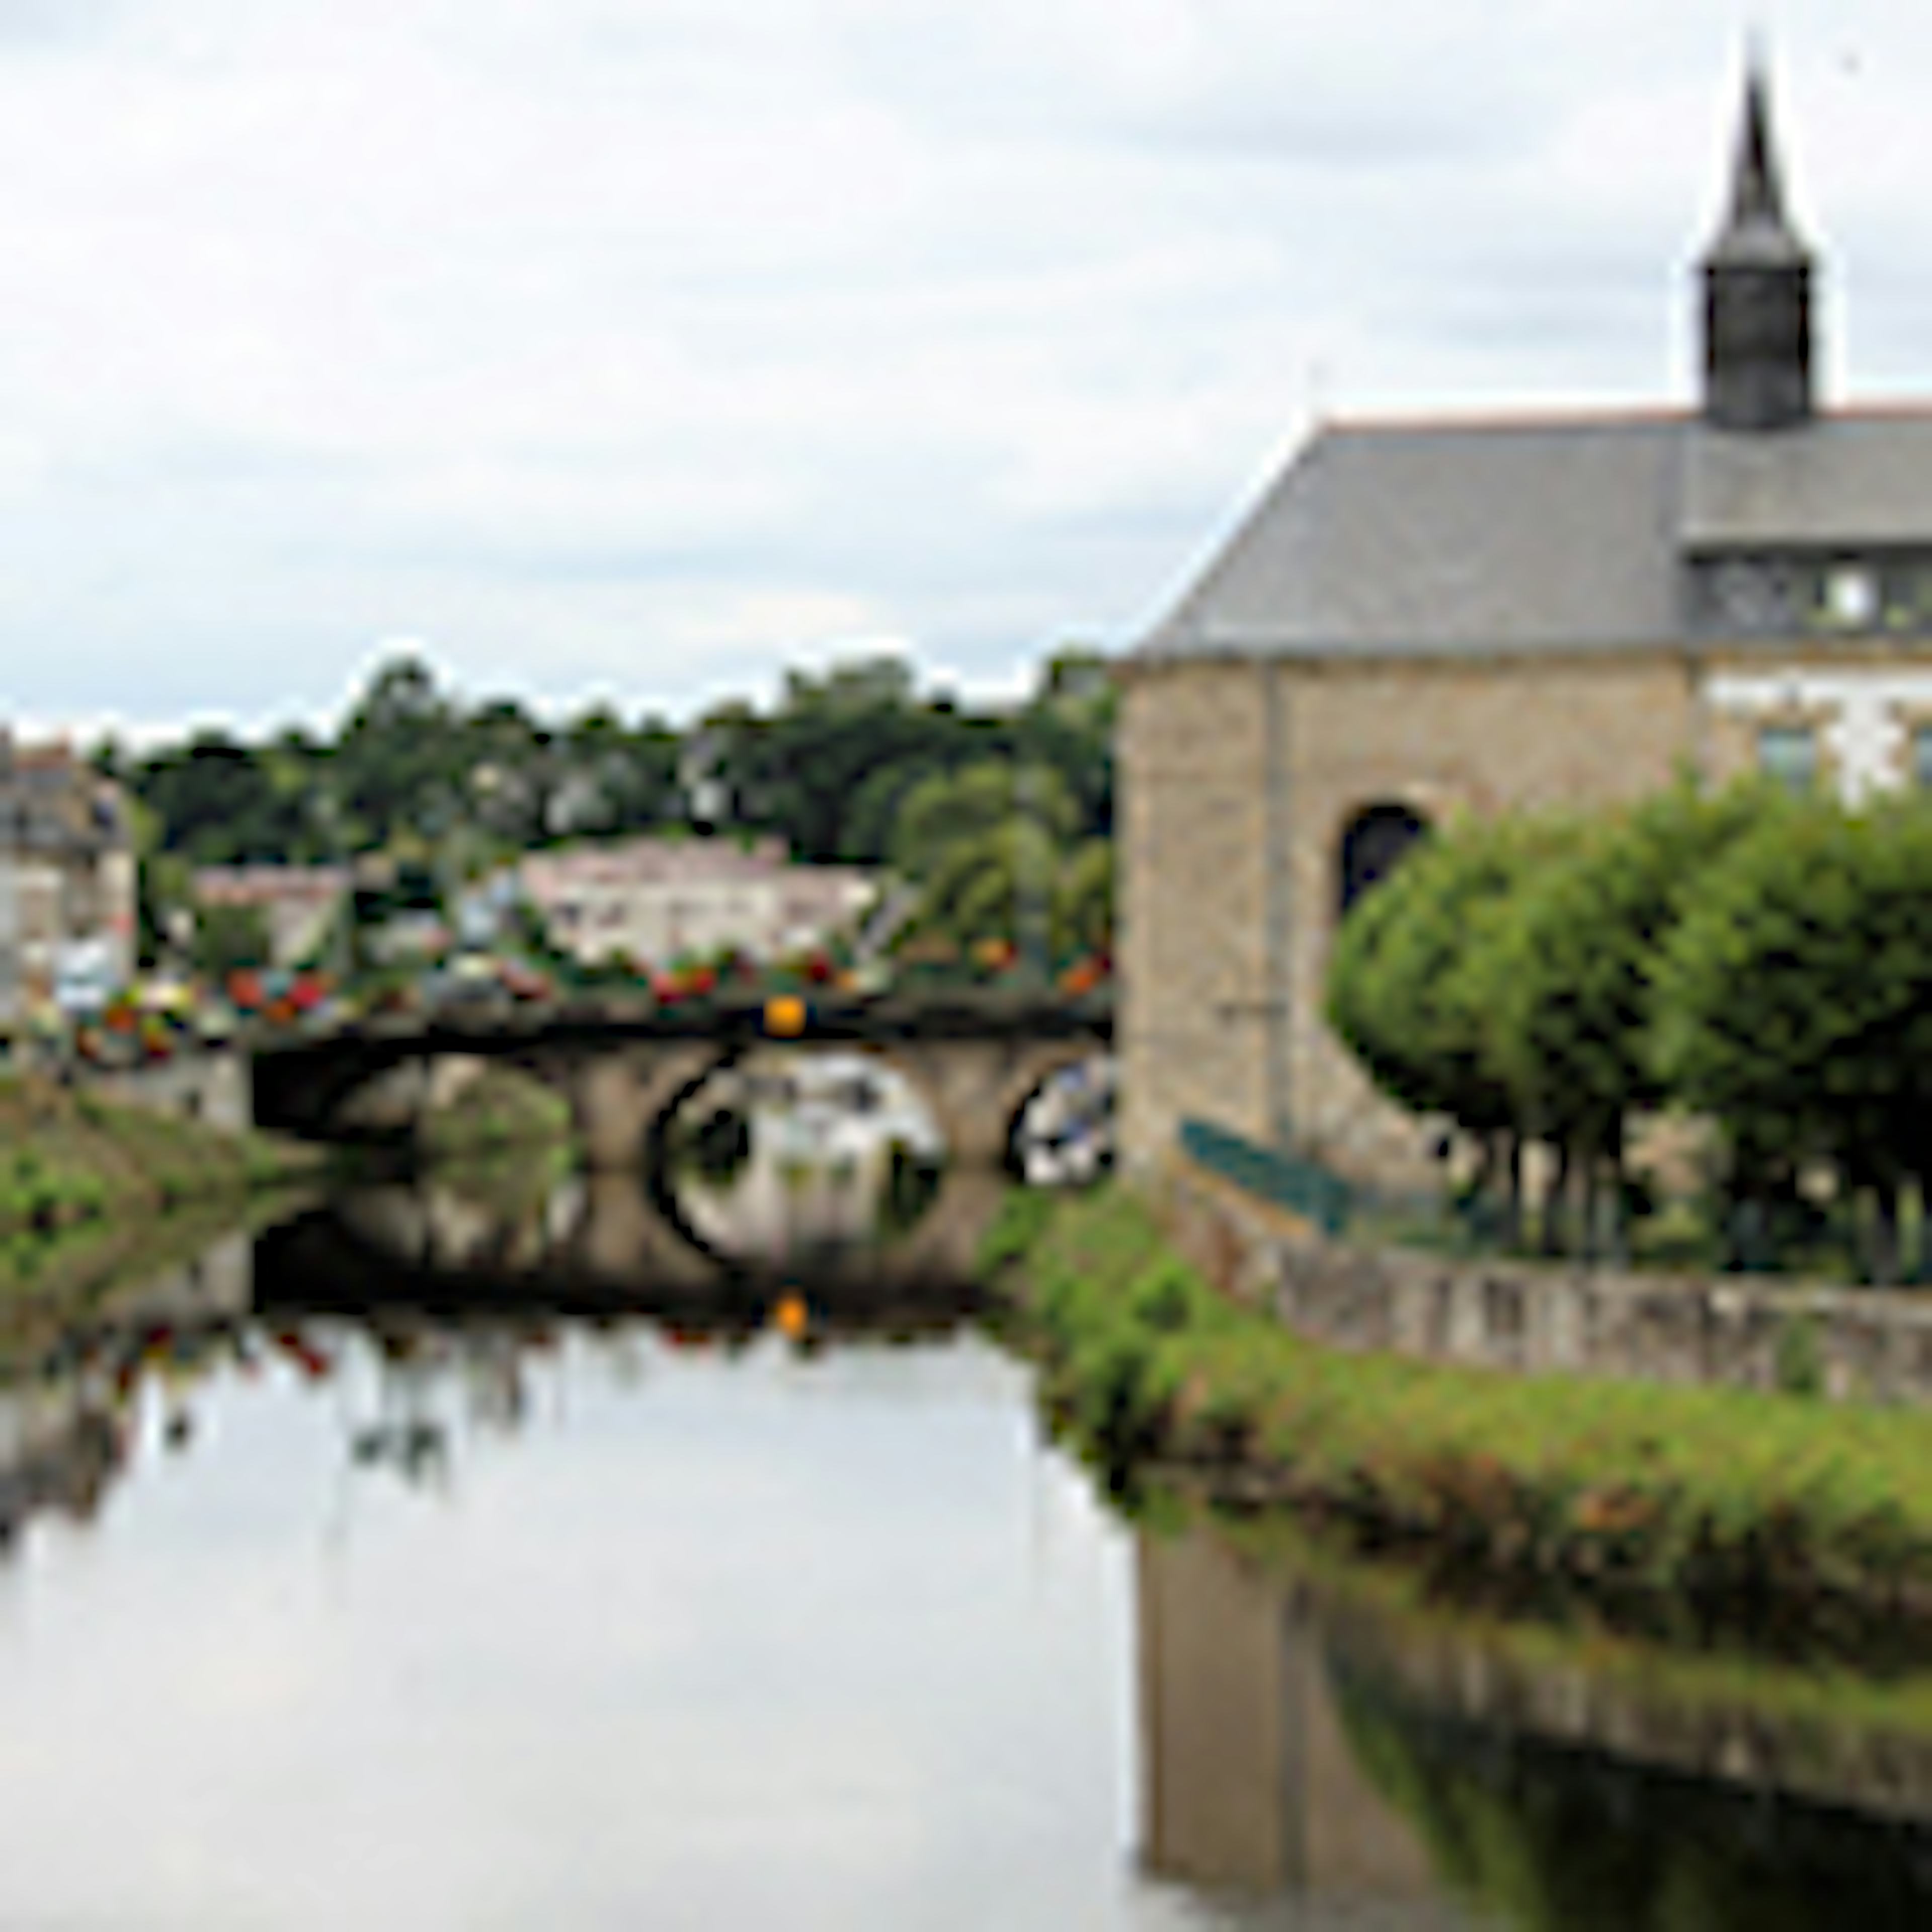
[
  {"x": 834, "y": 770},
  {"x": 800, "y": 772},
  {"x": 1409, "y": 985},
  {"x": 983, "y": 885},
  {"x": 1796, "y": 1002},
  {"x": 399, "y": 762},
  {"x": 871, "y": 815},
  {"x": 1084, "y": 910},
  {"x": 952, "y": 808},
  {"x": 229, "y": 938},
  {"x": 1567, "y": 976},
  {"x": 218, "y": 802}
]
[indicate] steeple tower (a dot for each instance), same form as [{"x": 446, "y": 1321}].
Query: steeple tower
[{"x": 1757, "y": 291}]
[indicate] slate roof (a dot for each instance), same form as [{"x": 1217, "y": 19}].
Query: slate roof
[{"x": 1546, "y": 533}]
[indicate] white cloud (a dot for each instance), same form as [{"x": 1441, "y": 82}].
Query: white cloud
[{"x": 648, "y": 344}]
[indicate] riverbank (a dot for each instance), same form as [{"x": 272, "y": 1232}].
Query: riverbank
[
  {"x": 69, "y": 1158},
  {"x": 1680, "y": 1509}
]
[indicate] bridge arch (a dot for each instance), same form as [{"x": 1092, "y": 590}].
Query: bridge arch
[
  {"x": 977, "y": 1090},
  {"x": 974, "y": 1065}
]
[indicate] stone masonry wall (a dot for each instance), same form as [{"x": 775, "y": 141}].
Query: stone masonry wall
[
  {"x": 1869, "y": 1344},
  {"x": 1193, "y": 1029}
]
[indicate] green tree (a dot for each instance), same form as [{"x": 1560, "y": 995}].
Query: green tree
[
  {"x": 1409, "y": 985},
  {"x": 230, "y": 938},
  {"x": 1084, "y": 905},
  {"x": 950, "y": 809},
  {"x": 217, "y": 801},
  {"x": 1795, "y": 1003},
  {"x": 1567, "y": 979},
  {"x": 399, "y": 763},
  {"x": 982, "y": 885}
]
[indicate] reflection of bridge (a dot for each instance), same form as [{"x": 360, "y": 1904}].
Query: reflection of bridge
[
  {"x": 602, "y": 1246},
  {"x": 974, "y": 1061}
]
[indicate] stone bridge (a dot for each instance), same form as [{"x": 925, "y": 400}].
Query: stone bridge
[{"x": 974, "y": 1061}]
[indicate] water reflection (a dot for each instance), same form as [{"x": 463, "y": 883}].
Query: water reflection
[
  {"x": 803, "y": 1159},
  {"x": 615, "y": 1236},
  {"x": 1303, "y": 1741},
  {"x": 1249, "y": 1785},
  {"x": 487, "y": 1613}
]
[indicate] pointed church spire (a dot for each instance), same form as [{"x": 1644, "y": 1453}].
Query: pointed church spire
[
  {"x": 1757, "y": 229},
  {"x": 1757, "y": 289}
]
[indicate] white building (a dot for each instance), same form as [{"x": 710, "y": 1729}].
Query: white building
[{"x": 654, "y": 900}]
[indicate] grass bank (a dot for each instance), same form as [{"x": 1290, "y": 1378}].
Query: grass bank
[
  {"x": 1775, "y": 1516},
  {"x": 69, "y": 1158}
]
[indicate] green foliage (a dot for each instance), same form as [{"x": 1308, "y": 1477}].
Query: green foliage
[
  {"x": 228, "y": 937},
  {"x": 1628, "y": 1492},
  {"x": 1084, "y": 907},
  {"x": 995, "y": 848},
  {"x": 834, "y": 771},
  {"x": 1409, "y": 988},
  {"x": 1762, "y": 961},
  {"x": 1022, "y": 1216},
  {"x": 977, "y": 805},
  {"x": 1567, "y": 980},
  {"x": 1796, "y": 993},
  {"x": 1800, "y": 1368}
]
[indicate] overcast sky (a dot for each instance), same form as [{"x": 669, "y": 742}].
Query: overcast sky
[{"x": 640, "y": 348}]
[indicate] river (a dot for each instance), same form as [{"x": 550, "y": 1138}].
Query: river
[{"x": 330, "y": 1596}]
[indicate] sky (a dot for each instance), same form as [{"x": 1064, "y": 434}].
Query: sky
[{"x": 636, "y": 350}]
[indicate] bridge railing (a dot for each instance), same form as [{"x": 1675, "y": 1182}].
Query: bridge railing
[{"x": 1290, "y": 1180}]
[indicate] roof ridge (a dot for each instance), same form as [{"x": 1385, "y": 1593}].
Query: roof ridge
[{"x": 1640, "y": 415}]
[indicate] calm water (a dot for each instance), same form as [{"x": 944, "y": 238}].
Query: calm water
[{"x": 317, "y": 1610}]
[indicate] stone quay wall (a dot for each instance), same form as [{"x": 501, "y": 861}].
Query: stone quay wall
[{"x": 1869, "y": 1345}]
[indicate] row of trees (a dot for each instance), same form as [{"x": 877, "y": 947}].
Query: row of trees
[
  {"x": 826, "y": 769},
  {"x": 1760, "y": 961},
  {"x": 992, "y": 811}
]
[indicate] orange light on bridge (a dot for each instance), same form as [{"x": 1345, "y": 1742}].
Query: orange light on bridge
[
  {"x": 791, "y": 1317},
  {"x": 784, "y": 1016}
]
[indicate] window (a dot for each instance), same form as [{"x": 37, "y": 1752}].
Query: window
[
  {"x": 1788, "y": 754},
  {"x": 1922, "y": 757},
  {"x": 1372, "y": 846},
  {"x": 1751, "y": 596},
  {"x": 1904, "y": 587},
  {"x": 1851, "y": 597}
]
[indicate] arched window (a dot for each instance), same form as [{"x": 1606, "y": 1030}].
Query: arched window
[{"x": 1373, "y": 844}]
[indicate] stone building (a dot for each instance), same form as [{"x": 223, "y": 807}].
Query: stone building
[
  {"x": 1422, "y": 618},
  {"x": 655, "y": 900},
  {"x": 66, "y": 875}
]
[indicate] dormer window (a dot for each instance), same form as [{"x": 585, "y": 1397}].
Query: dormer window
[
  {"x": 1850, "y": 600},
  {"x": 1749, "y": 595}
]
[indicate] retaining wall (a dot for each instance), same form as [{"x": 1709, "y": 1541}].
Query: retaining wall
[
  {"x": 1868, "y": 1344},
  {"x": 213, "y": 1087}
]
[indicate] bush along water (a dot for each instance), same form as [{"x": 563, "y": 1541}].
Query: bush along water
[
  {"x": 1777, "y": 1518},
  {"x": 70, "y": 1157}
]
